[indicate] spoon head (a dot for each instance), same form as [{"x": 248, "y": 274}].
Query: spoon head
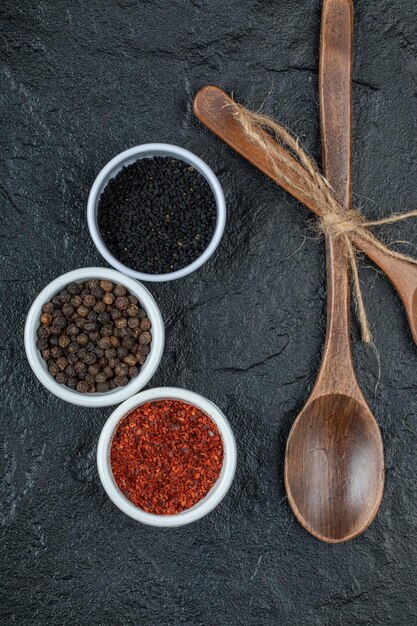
[{"x": 334, "y": 467}]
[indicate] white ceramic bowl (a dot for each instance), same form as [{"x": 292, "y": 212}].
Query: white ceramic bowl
[
  {"x": 114, "y": 396},
  {"x": 146, "y": 151},
  {"x": 214, "y": 496}
]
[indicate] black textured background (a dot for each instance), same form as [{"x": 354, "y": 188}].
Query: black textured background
[{"x": 82, "y": 81}]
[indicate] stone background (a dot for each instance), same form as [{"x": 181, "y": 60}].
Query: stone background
[{"x": 82, "y": 81}]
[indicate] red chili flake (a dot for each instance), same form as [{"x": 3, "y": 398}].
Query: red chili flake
[{"x": 166, "y": 456}]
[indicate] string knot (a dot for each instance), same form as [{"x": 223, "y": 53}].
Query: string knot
[{"x": 341, "y": 223}]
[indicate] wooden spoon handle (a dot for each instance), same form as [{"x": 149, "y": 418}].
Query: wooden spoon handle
[
  {"x": 215, "y": 109},
  {"x": 335, "y": 94}
]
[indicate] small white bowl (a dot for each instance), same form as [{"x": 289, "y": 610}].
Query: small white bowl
[
  {"x": 214, "y": 496},
  {"x": 114, "y": 396},
  {"x": 146, "y": 151}
]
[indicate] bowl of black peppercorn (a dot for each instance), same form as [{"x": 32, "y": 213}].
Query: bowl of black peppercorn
[
  {"x": 94, "y": 337},
  {"x": 156, "y": 212}
]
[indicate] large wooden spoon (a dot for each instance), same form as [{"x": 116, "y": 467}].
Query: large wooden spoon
[
  {"x": 334, "y": 463},
  {"x": 213, "y": 108}
]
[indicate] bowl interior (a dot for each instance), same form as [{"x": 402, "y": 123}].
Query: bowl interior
[
  {"x": 143, "y": 152},
  {"x": 42, "y": 363},
  {"x": 214, "y": 489}
]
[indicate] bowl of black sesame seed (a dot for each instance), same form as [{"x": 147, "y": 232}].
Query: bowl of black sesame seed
[
  {"x": 94, "y": 337},
  {"x": 156, "y": 212}
]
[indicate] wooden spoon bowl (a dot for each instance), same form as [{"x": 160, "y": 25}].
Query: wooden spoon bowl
[{"x": 333, "y": 467}]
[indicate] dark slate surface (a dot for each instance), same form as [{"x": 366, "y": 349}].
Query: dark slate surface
[{"x": 82, "y": 81}]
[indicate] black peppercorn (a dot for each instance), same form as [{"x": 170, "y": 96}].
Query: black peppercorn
[
  {"x": 145, "y": 338},
  {"x": 97, "y": 292},
  {"x": 42, "y": 332},
  {"x": 128, "y": 342},
  {"x": 82, "y": 310},
  {"x": 115, "y": 341},
  {"x": 73, "y": 330},
  {"x": 121, "y": 381},
  {"x": 94, "y": 369},
  {"x": 64, "y": 296},
  {"x": 64, "y": 341},
  {"x": 108, "y": 372},
  {"x": 99, "y": 306},
  {"x": 53, "y": 368},
  {"x": 68, "y": 309},
  {"x": 76, "y": 301},
  {"x": 70, "y": 371},
  {"x": 133, "y": 322},
  {"x": 100, "y": 377},
  {"x": 130, "y": 360},
  {"x": 104, "y": 343},
  {"x": 121, "y": 369},
  {"x": 90, "y": 358},
  {"x": 46, "y": 318},
  {"x": 89, "y": 301},
  {"x": 121, "y": 303},
  {"x": 80, "y": 367},
  {"x": 73, "y": 288},
  {"x": 62, "y": 363},
  {"x": 82, "y": 339},
  {"x": 90, "y": 327},
  {"x": 120, "y": 322},
  {"x": 119, "y": 290},
  {"x": 110, "y": 353},
  {"x": 106, "y": 285},
  {"x": 103, "y": 317},
  {"x": 56, "y": 352},
  {"x": 133, "y": 372},
  {"x": 108, "y": 298},
  {"x": 42, "y": 344},
  {"x": 80, "y": 321}
]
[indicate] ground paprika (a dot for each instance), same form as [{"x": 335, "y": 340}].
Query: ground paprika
[{"x": 166, "y": 455}]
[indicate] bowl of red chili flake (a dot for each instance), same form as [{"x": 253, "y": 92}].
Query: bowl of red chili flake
[{"x": 166, "y": 457}]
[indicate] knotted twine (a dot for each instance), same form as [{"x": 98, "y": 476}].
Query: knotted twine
[{"x": 335, "y": 220}]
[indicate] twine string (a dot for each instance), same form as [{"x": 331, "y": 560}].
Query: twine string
[{"x": 335, "y": 221}]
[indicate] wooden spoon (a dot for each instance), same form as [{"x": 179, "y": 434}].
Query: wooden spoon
[
  {"x": 212, "y": 107},
  {"x": 334, "y": 463}
]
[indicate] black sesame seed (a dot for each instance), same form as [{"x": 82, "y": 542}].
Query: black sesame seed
[{"x": 157, "y": 215}]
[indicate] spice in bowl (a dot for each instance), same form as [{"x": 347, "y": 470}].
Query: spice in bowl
[
  {"x": 157, "y": 215},
  {"x": 166, "y": 455},
  {"x": 94, "y": 336}
]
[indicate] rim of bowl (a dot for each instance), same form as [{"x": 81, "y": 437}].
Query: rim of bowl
[
  {"x": 212, "y": 498},
  {"x": 113, "y": 396},
  {"x": 130, "y": 156}
]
